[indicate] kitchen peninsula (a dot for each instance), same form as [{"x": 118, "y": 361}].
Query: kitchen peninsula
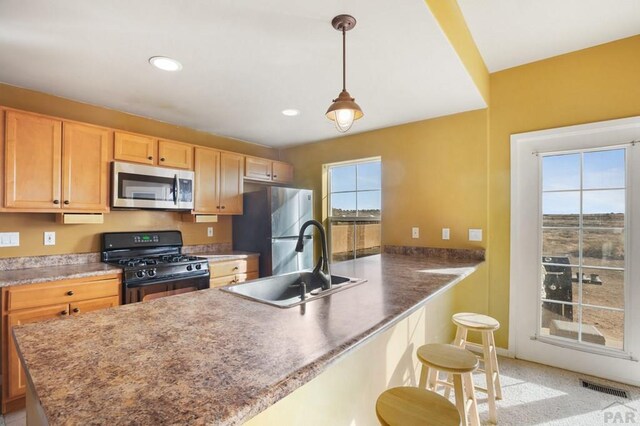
[{"x": 213, "y": 358}]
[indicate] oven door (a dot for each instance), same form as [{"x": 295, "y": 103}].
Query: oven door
[
  {"x": 146, "y": 292},
  {"x": 148, "y": 187}
]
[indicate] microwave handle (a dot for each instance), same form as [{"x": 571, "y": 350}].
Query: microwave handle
[{"x": 176, "y": 188}]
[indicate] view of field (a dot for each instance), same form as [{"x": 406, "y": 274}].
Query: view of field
[{"x": 602, "y": 247}]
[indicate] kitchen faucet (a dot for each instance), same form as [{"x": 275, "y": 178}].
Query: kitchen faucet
[{"x": 321, "y": 270}]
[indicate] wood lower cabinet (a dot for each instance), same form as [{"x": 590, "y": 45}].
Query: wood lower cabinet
[
  {"x": 38, "y": 302},
  {"x": 218, "y": 182},
  {"x": 229, "y": 272},
  {"x": 262, "y": 169},
  {"x": 134, "y": 148}
]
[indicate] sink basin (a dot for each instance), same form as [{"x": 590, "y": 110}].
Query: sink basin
[{"x": 283, "y": 291}]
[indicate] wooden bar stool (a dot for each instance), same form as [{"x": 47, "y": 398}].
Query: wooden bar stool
[
  {"x": 458, "y": 362},
  {"x": 485, "y": 325},
  {"x": 407, "y": 406}
]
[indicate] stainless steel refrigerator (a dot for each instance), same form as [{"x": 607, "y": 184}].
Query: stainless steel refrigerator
[{"x": 270, "y": 225}]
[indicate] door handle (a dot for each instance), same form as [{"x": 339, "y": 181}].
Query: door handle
[{"x": 175, "y": 189}]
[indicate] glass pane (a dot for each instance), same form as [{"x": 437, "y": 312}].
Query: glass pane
[
  {"x": 602, "y": 287},
  {"x": 561, "y": 209},
  {"x": 604, "y": 208},
  {"x": 603, "y": 327},
  {"x": 369, "y": 176},
  {"x": 604, "y": 169},
  {"x": 561, "y": 172},
  {"x": 559, "y": 320},
  {"x": 557, "y": 283},
  {"x": 560, "y": 245},
  {"x": 343, "y": 178},
  {"x": 341, "y": 241},
  {"x": 369, "y": 204},
  {"x": 367, "y": 239},
  {"x": 343, "y": 204},
  {"x": 603, "y": 247}
]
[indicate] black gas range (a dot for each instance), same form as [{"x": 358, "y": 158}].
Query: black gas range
[{"x": 153, "y": 264}]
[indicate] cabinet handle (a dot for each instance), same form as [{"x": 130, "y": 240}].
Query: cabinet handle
[
  {"x": 66, "y": 202},
  {"x": 162, "y": 159},
  {"x": 150, "y": 157},
  {"x": 56, "y": 201},
  {"x": 70, "y": 293},
  {"x": 64, "y": 313},
  {"x": 76, "y": 310}
]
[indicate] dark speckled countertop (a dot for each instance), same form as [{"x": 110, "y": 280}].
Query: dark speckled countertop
[{"x": 210, "y": 357}]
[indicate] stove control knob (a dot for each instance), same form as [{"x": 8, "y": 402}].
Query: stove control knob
[
  {"x": 151, "y": 272},
  {"x": 140, "y": 274},
  {"x": 198, "y": 266},
  {"x": 189, "y": 267}
]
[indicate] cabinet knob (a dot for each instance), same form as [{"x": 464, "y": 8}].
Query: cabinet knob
[
  {"x": 235, "y": 268},
  {"x": 66, "y": 202},
  {"x": 222, "y": 207},
  {"x": 70, "y": 293},
  {"x": 150, "y": 157},
  {"x": 268, "y": 174},
  {"x": 56, "y": 201},
  {"x": 64, "y": 313},
  {"x": 275, "y": 176},
  {"x": 76, "y": 310},
  {"x": 162, "y": 159}
]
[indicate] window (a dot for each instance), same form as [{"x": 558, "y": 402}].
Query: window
[{"x": 354, "y": 196}]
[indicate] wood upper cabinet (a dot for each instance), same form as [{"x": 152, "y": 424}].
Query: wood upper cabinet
[
  {"x": 218, "y": 181},
  {"x": 85, "y": 167},
  {"x": 282, "y": 172},
  {"x": 135, "y": 148},
  {"x": 175, "y": 154},
  {"x": 33, "y": 161},
  {"x": 231, "y": 183},
  {"x": 266, "y": 170}
]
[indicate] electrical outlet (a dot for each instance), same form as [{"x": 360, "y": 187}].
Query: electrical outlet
[
  {"x": 210, "y": 231},
  {"x": 475, "y": 234},
  {"x": 415, "y": 232},
  {"x": 9, "y": 239},
  {"x": 49, "y": 238},
  {"x": 445, "y": 233}
]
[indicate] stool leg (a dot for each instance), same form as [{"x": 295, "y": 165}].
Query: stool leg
[
  {"x": 488, "y": 369},
  {"x": 423, "y": 377},
  {"x": 460, "y": 398},
  {"x": 496, "y": 370},
  {"x": 432, "y": 380},
  {"x": 459, "y": 340},
  {"x": 470, "y": 395}
]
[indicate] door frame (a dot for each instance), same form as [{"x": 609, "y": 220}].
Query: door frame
[{"x": 525, "y": 181}]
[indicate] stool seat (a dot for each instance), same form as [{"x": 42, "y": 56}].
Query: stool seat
[
  {"x": 448, "y": 358},
  {"x": 477, "y": 322},
  {"x": 407, "y": 406}
]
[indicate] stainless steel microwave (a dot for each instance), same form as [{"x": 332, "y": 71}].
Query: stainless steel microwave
[{"x": 147, "y": 187}]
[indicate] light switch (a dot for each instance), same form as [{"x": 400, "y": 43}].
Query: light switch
[
  {"x": 49, "y": 238},
  {"x": 415, "y": 232},
  {"x": 475, "y": 234},
  {"x": 210, "y": 231},
  {"x": 445, "y": 233}
]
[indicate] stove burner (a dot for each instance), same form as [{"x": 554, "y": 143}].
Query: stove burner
[{"x": 178, "y": 258}]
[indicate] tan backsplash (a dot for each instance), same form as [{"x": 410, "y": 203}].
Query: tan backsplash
[{"x": 86, "y": 238}]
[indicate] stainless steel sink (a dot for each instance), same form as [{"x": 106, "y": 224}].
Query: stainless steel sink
[{"x": 284, "y": 291}]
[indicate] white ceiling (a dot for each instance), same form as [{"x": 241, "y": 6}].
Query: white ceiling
[
  {"x": 515, "y": 32},
  {"x": 244, "y": 62}
]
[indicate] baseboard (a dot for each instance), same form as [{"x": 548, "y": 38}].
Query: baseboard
[{"x": 505, "y": 353}]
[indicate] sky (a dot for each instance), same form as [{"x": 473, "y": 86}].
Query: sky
[
  {"x": 351, "y": 178},
  {"x": 602, "y": 171}
]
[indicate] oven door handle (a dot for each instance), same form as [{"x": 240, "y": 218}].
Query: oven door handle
[{"x": 175, "y": 189}]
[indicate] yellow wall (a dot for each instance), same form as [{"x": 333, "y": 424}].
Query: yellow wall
[
  {"x": 596, "y": 84},
  {"x": 85, "y": 238}
]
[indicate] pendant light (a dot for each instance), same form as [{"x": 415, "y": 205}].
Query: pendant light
[{"x": 344, "y": 111}]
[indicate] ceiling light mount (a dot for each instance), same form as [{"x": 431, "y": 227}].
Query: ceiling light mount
[
  {"x": 165, "y": 63},
  {"x": 344, "y": 110}
]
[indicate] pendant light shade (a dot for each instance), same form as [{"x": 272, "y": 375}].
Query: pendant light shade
[{"x": 344, "y": 110}]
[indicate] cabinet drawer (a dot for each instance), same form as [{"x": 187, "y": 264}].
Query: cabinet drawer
[
  {"x": 222, "y": 281},
  {"x": 231, "y": 267},
  {"x": 77, "y": 308},
  {"x": 61, "y": 292},
  {"x": 246, "y": 277}
]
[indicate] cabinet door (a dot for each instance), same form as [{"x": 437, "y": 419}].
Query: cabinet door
[
  {"x": 135, "y": 148},
  {"x": 231, "y": 183},
  {"x": 175, "y": 154},
  {"x": 282, "y": 172},
  {"x": 258, "y": 168},
  {"x": 85, "y": 167},
  {"x": 207, "y": 181},
  {"x": 17, "y": 380},
  {"x": 78, "y": 308},
  {"x": 33, "y": 150}
]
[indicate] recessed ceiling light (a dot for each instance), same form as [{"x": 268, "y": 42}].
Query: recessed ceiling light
[
  {"x": 164, "y": 63},
  {"x": 291, "y": 112}
]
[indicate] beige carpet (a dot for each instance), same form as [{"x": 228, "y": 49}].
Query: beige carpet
[{"x": 534, "y": 394}]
